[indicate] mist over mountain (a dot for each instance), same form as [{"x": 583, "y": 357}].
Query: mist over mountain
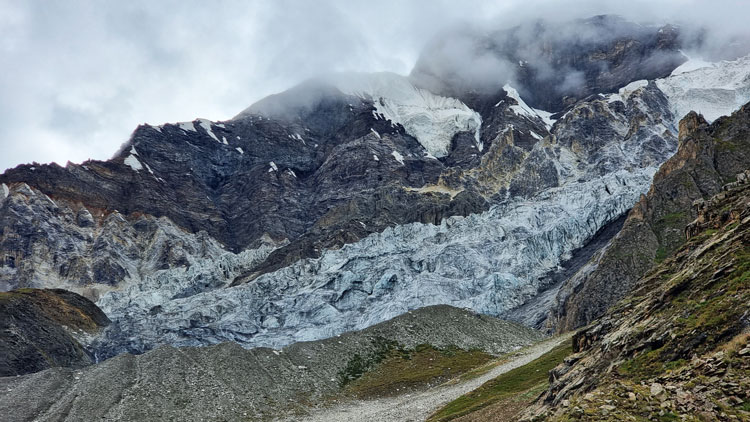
[{"x": 358, "y": 230}]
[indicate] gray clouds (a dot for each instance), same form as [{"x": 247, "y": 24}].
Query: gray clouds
[{"x": 78, "y": 76}]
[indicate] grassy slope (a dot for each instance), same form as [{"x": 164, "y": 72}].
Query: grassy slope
[
  {"x": 405, "y": 370},
  {"x": 515, "y": 388}
]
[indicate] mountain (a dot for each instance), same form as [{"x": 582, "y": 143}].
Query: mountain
[
  {"x": 555, "y": 64},
  {"x": 677, "y": 347},
  {"x": 351, "y": 199},
  {"x": 708, "y": 157}
]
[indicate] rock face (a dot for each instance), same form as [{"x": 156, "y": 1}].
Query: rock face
[
  {"x": 346, "y": 201},
  {"x": 708, "y": 157},
  {"x": 229, "y": 383},
  {"x": 40, "y": 329},
  {"x": 678, "y": 347}
]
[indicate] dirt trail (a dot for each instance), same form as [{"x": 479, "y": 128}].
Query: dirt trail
[{"x": 418, "y": 406}]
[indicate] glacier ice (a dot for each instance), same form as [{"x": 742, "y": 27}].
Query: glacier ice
[
  {"x": 489, "y": 262},
  {"x": 712, "y": 90}
]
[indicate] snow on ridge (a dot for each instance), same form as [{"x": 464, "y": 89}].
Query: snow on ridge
[
  {"x": 693, "y": 63},
  {"x": 133, "y": 162},
  {"x": 206, "y": 125},
  {"x": 187, "y": 126},
  {"x": 712, "y": 91},
  {"x": 432, "y": 119},
  {"x": 398, "y": 157},
  {"x": 523, "y": 109}
]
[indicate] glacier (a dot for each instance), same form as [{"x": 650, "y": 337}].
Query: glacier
[
  {"x": 489, "y": 262},
  {"x": 711, "y": 89}
]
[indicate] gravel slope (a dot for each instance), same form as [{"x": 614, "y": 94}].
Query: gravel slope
[{"x": 418, "y": 406}]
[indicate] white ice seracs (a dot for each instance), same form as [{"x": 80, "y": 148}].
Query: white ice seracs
[
  {"x": 489, "y": 262},
  {"x": 713, "y": 90},
  {"x": 432, "y": 119}
]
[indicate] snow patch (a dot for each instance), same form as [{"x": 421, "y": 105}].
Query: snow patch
[
  {"x": 535, "y": 135},
  {"x": 4, "y": 189},
  {"x": 224, "y": 140},
  {"x": 273, "y": 166},
  {"x": 432, "y": 119},
  {"x": 206, "y": 125},
  {"x": 186, "y": 126},
  {"x": 376, "y": 133},
  {"x": 522, "y": 109},
  {"x": 133, "y": 163},
  {"x": 398, "y": 157},
  {"x": 240, "y": 150},
  {"x": 375, "y": 157},
  {"x": 628, "y": 89},
  {"x": 693, "y": 63}
]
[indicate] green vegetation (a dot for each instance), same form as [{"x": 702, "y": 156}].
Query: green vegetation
[
  {"x": 399, "y": 369},
  {"x": 522, "y": 381},
  {"x": 704, "y": 311},
  {"x": 661, "y": 254},
  {"x": 358, "y": 365}
]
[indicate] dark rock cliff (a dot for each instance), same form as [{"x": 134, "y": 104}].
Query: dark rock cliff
[
  {"x": 679, "y": 346},
  {"x": 708, "y": 157},
  {"x": 39, "y": 329}
]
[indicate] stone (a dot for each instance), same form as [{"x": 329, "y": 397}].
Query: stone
[{"x": 656, "y": 389}]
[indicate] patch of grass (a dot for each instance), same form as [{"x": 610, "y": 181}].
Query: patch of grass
[
  {"x": 402, "y": 370},
  {"x": 667, "y": 417},
  {"x": 661, "y": 254},
  {"x": 358, "y": 365},
  {"x": 512, "y": 384}
]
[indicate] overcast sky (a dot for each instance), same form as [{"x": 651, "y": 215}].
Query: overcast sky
[{"x": 76, "y": 77}]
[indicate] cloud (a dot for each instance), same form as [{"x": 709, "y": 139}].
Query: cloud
[{"x": 78, "y": 76}]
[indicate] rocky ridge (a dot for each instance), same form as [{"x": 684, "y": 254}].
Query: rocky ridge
[
  {"x": 708, "y": 157},
  {"x": 678, "y": 346}
]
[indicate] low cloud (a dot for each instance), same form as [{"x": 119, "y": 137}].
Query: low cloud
[{"x": 78, "y": 76}]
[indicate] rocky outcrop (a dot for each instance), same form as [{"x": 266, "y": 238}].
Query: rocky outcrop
[
  {"x": 708, "y": 157},
  {"x": 679, "y": 346},
  {"x": 40, "y": 329},
  {"x": 229, "y": 383}
]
